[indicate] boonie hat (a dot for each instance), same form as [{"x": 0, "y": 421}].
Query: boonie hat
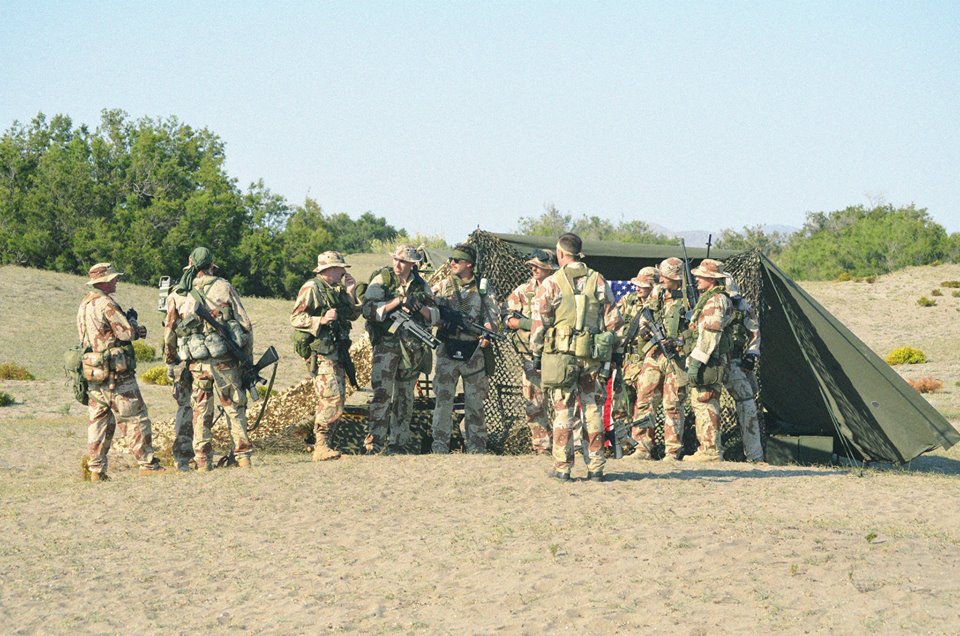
[
  {"x": 646, "y": 277},
  {"x": 709, "y": 268},
  {"x": 102, "y": 273},
  {"x": 329, "y": 259},
  {"x": 544, "y": 259},
  {"x": 407, "y": 253},
  {"x": 671, "y": 268}
]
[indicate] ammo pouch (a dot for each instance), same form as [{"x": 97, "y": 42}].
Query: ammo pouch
[
  {"x": 713, "y": 372},
  {"x": 301, "y": 343},
  {"x": 559, "y": 340},
  {"x": 97, "y": 366},
  {"x": 558, "y": 371},
  {"x": 215, "y": 345},
  {"x": 324, "y": 344},
  {"x": 194, "y": 346},
  {"x": 489, "y": 360},
  {"x": 461, "y": 350},
  {"x": 237, "y": 333}
]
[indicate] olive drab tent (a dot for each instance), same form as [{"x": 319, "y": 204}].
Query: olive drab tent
[{"x": 818, "y": 380}]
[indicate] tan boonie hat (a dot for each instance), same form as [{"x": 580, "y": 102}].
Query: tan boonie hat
[
  {"x": 102, "y": 273},
  {"x": 646, "y": 277},
  {"x": 709, "y": 268},
  {"x": 543, "y": 259},
  {"x": 672, "y": 268},
  {"x": 329, "y": 259},
  {"x": 407, "y": 254}
]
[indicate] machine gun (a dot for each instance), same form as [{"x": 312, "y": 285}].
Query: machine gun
[
  {"x": 691, "y": 292},
  {"x": 453, "y": 320}
]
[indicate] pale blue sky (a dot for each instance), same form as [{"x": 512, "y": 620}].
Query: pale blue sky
[{"x": 444, "y": 115}]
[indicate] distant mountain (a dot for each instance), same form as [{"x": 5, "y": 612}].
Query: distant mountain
[{"x": 698, "y": 238}]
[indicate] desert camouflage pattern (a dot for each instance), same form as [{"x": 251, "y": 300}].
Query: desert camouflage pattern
[
  {"x": 742, "y": 385},
  {"x": 328, "y": 384},
  {"x": 224, "y": 304},
  {"x": 470, "y": 372},
  {"x": 220, "y": 378},
  {"x": 626, "y": 387},
  {"x": 715, "y": 316},
  {"x": 587, "y": 388},
  {"x": 183, "y": 422},
  {"x": 396, "y": 364},
  {"x": 313, "y": 300},
  {"x": 117, "y": 401},
  {"x": 536, "y": 407}
]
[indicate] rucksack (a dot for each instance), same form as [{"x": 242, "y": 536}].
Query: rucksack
[{"x": 73, "y": 367}]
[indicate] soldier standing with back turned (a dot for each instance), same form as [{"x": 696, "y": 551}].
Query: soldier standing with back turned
[
  {"x": 109, "y": 366},
  {"x": 324, "y": 309},
  {"x": 178, "y": 372},
  {"x": 740, "y": 378},
  {"x": 571, "y": 339},
  {"x": 542, "y": 263}
]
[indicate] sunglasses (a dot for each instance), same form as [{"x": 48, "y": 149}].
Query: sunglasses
[{"x": 458, "y": 260}]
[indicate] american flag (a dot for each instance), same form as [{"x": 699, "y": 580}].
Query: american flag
[{"x": 621, "y": 288}]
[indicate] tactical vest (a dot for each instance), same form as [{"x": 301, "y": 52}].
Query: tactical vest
[
  {"x": 671, "y": 317},
  {"x": 325, "y": 342},
  {"x": 197, "y": 339},
  {"x": 391, "y": 283},
  {"x": 725, "y": 344},
  {"x": 739, "y": 335},
  {"x": 117, "y": 357},
  {"x": 590, "y": 342}
]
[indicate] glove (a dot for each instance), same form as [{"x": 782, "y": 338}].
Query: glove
[
  {"x": 172, "y": 372},
  {"x": 749, "y": 361},
  {"x": 537, "y": 362},
  {"x": 141, "y": 332},
  {"x": 694, "y": 371}
]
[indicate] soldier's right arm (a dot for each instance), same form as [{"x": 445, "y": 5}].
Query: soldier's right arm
[
  {"x": 306, "y": 305},
  {"x": 544, "y": 307},
  {"x": 375, "y": 300},
  {"x": 121, "y": 327}
]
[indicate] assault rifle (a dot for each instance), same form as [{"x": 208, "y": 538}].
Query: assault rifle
[
  {"x": 403, "y": 321},
  {"x": 665, "y": 344},
  {"x": 693, "y": 295},
  {"x": 249, "y": 372},
  {"x": 454, "y": 320},
  {"x": 341, "y": 339}
]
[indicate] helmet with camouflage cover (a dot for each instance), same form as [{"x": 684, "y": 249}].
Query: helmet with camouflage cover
[
  {"x": 646, "y": 277},
  {"x": 709, "y": 268},
  {"x": 671, "y": 268},
  {"x": 407, "y": 253},
  {"x": 329, "y": 259}
]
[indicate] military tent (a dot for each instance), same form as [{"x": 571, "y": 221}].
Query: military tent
[{"x": 818, "y": 380}]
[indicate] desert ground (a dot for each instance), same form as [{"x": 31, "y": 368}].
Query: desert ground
[{"x": 468, "y": 544}]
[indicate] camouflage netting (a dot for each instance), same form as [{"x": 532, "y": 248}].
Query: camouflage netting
[{"x": 287, "y": 421}]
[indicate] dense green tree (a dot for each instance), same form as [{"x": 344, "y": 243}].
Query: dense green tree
[
  {"x": 553, "y": 223},
  {"x": 770, "y": 243}
]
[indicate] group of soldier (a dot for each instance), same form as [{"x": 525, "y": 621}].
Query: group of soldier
[{"x": 564, "y": 321}]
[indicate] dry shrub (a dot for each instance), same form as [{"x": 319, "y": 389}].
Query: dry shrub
[
  {"x": 951, "y": 284},
  {"x": 844, "y": 277},
  {"x": 926, "y": 384},
  {"x": 870, "y": 279},
  {"x": 5, "y": 399},
  {"x": 156, "y": 375},
  {"x": 956, "y": 293},
  {"x": 13, "y": 371},
  {"x": 906, "y": 355},
  {"x": 923, "y": 301},
  {"x": 936, "y": 292}
]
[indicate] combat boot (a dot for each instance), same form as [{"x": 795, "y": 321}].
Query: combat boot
[
  {"x": 322, "y": 452},
  {"x": 595, "y": 476},
  {"x": 243, "y": 462},
  {"x": 560, "y": 476},
  {"x": 704, "y": 457},
  {"x": 99, "y": 477},
  {"x": 153, "y": 468}
]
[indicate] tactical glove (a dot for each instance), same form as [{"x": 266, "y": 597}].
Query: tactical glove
[
  {"x": 749, "y": 361},
  {"x": 694, "y": 372}
]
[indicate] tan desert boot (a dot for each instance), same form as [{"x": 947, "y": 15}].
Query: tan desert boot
[{"x": 323, "y": 453}]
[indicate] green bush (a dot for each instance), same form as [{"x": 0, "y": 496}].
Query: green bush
[
  {"x": 844, "y": 277},
  {"x": 923, "y": 301},
  {"x": 936, "y": 292},
  {"x": 156, "y": 375},
  {"x": 952, "y": 284},
  {"x": 906, "y": 355},
  {"x": 956, "y": 293},
  {"x": 5, "y": 399},
  {"x": 13, "y": 371},
  {"x": 145, "y": 353}
]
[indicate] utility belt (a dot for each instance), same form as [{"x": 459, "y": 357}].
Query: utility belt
[
  {"x": 597, "y": 347},
  {"x": 198, "y": 345},
  {"x": 101, "y": 366}
]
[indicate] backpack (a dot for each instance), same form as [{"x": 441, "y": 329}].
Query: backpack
[{"x": 73, "y": 367}]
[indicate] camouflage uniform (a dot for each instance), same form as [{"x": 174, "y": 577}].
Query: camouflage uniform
[
  {"x": 537, "y": 409},
  {"x": 215, "y": 371},
  {"x": 314, "y": 299},
  {"x": 182, "y": 389},
  {"x": 741, "y": 382},
  {"x": 662, "y": 380},
  {"x": 397, "y": 359},
  {"x": 460, "y": 358},
  {"x": 109, "y": 367},
  {"x": 710, "y": 322},
  {"x": 549, "y": 321}
]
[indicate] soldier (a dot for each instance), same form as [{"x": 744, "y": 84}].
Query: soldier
[
  {"x": 710, "y": 324},
  {"x": 542, "y": 264},
  {"x": 462, "y": 354},
  {"x": 397, "y": 360},
  {"x": 662, "y": 380},
  {"x": 633, "y": 349},
  {"x": 740, "y": 378},
  {"x": 323, "y": 311},
  {"x": 178, "y": 372},
  {"x": 214, "y": 369},
  {"x": 571, "y": 338},
  {"x": 108, "y": 365}
]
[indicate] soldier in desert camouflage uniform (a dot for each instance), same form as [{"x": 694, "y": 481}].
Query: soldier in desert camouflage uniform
[
  {"x": 178, "y": 372},
  {"x": 213, "y": 368},
  {"x": 707, "y": 362},
  {"x": 461, "y": 357},
  {"x": 740, "y": 378},
  {"x": 324, "y": 309},
  {"x": 542, "y": 264},
  {"x": 662, "y": 380},
  {"x": 108, "y": 365},
  {"x": 572, "y": 337},
  {"x": 632, "y": 348},
  {"x": 397, "y": 359}
]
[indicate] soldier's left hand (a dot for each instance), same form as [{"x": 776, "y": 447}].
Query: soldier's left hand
[
  {"x": 141, "y": 332},
  {"x": 349, "y": 282},
  {"x": 694, "y": 374},
  {"x": 484, "y": 343}
]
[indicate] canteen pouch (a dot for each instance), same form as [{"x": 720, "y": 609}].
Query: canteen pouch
[
  {"x": 215, "y": 345},
  {"x": 461, "y": 350},
  {"x": 602, "y": 349},
  {"x": 301, "y": 343},
  {"x": 73, "y": 366},
  {"x": 558, "y": 371},
  {"x": 94, "y": 367},
  {"x": 238, "y": 334},
  {"x": 713, "y": 372},
  {"x": 583, "y": 345}
]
